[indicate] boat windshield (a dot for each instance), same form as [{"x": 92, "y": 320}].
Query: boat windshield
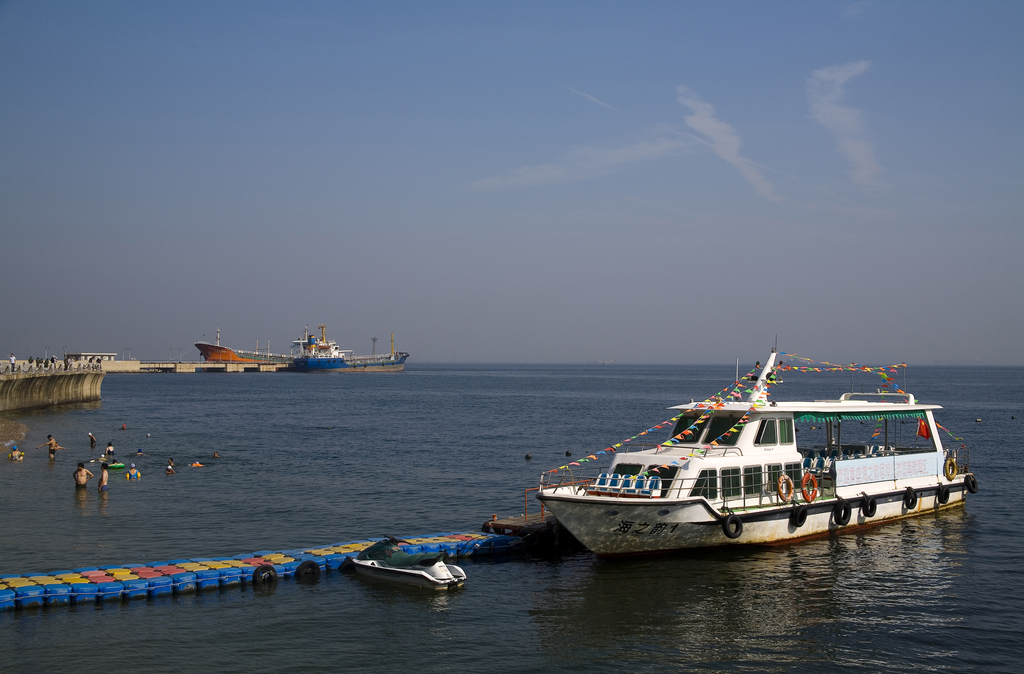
[
  {"x": 629, "y": 468},
  {"x": 684, "y": 424},
  {"x": 719, "y": 427}
]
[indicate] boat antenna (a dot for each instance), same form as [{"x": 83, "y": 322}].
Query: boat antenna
[
  {"x": 737, "y": 369},
  {"x": 392, "y": 343},
  {"x": 374, "y": 352},
  {"x": 776, "y": 347},
  {"x": 218, "y": 335}
]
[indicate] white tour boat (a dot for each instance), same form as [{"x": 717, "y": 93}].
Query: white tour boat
[{"x": 735, "y": 473}]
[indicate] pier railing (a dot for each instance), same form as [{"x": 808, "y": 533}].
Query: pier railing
[{"x": 48, "y": 367}]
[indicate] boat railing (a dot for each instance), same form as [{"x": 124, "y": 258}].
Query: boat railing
[
  {"x": 962, "y": 456},
  {"x": 732, "y": 491}
]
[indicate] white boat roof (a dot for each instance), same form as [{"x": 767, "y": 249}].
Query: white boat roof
[
  {"x": 845, "y": 407},
  {"x": 823, "y": 406}
]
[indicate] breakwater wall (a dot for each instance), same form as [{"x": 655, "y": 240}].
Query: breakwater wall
[{"x": 43, "y": 385}]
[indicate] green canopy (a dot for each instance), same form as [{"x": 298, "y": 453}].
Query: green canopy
[{"x": 855, "y": 416}]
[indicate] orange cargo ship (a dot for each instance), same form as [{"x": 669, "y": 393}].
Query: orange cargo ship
[{"x": 215, "y": 353}]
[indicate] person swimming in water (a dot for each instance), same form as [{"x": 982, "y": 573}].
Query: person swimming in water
[
  {"x": 92, "y": 441},
  {"x": 82, "y": 476},
  {"x": 133, "y": 473},
  {"x": 16, "y": 454},
  {"x": 104, "y": 476},
  {"x": 52, "y": 445},
  {"x": 110, "y": 449}
]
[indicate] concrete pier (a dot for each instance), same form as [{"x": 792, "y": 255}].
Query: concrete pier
[
  {"x": 41, "y": 386},
  {"x": 137, "y": 366}
]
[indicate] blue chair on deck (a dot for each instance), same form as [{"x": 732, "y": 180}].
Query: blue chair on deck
[
  {"x": 602, "y": 482},
  {"x": 627, "y": 485},
  {"x": 654, "y": 487},
  {"x": 614, "y": 482},
  {"x": 640, "y": 487}
]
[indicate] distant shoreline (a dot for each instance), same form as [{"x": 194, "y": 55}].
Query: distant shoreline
[{"x": 11, "y": 431}]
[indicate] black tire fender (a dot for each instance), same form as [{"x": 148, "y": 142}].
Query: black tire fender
[
  {"x": 971, "y": 483},
  {"x": 265, "y": 574},
  {"x": 942, "y": 494},
  {"x": 869, "y": 506},
  {"x": 798, "y": 516},
  {"x": 732, "y": 527},
  {"x": 841, "y": 512},
  {"x": 909, "y": 498},
  {"x": 307, "y": 572}
]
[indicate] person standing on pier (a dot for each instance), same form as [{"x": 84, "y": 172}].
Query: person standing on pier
[
  {"x": 51, "y": 444},
  {"x": 82, "y": 476},
  {"x": 13, "y": 363}
]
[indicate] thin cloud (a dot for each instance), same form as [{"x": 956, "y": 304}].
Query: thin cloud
[
  {"x": 725, "y": 142},
  {"x": 825, "y": 94},
  {"x": 854, "y": 8},
  {"x": 594, "y": 99},
  {"x": 591, "y": 162}
]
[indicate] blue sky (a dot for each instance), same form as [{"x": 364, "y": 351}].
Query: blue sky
[{"x": 570, "y": 182}]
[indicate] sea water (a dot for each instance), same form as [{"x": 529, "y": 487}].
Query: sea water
[{"x": 312, "y": 459}]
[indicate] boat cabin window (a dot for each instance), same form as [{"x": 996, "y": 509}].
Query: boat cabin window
[
  {"x": 785, "y": 431},
  {"x": 752, "y": 482},
  {"x": 774, "y": 473},
  {"x": 795, "y": 472},
  {"x": 667, "y": 475},
  {"x": 730, "y": 482},
  {"x": 684, "y": 423},
  {"x": 766, "y": 433},
  {"x": 719, "y": 426},
  {"x": 706, "y": 485},
  {"x": 629, "y": 468}
]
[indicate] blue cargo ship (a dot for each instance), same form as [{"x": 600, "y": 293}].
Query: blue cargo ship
[{"x": 315, "y": 354}]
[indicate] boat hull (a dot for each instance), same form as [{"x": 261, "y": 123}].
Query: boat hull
[
  {"x": 215, "y": 353},
  {"x": 617, "y": 527},
  {"x": 441, "y": 576},
  {"x": 385, "y": 364}
]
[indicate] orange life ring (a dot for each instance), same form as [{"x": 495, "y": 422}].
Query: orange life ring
[
  {"x": 785, "y": 488},
  {"x": 809, "y": 496}
]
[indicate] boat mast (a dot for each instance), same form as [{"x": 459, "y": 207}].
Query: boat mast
[
  {"x": 761, "y": 387},
  {"x": 392, "y": 344}
]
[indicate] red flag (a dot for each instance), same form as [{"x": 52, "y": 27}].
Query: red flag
[{"x": 923, "y": 430}]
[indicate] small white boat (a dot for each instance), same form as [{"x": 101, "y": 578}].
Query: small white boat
[
  {"x": 385, "y": 560},
  {"x": 735, "y": 472}
]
